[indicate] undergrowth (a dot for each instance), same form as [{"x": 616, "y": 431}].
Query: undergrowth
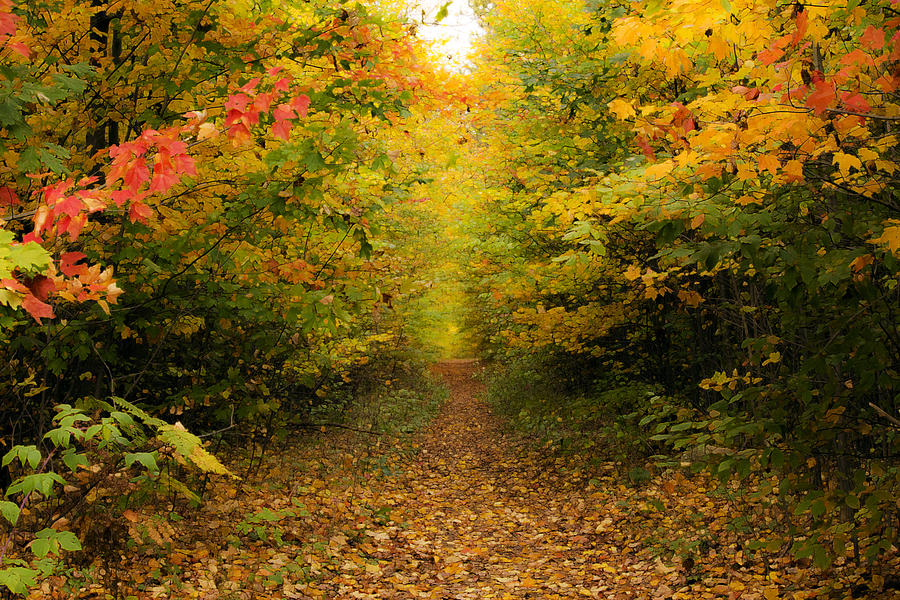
[{"x": 599, "y": 418}]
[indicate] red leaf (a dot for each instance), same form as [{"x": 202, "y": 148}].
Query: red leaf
[
  {"x": 8, "y": 197},
  {"x": 14, "y": 285},
  {"x": 136, "y": 173},
  {"x": 283, "y": 111},
  {"x": 41, "y": 286},
  {"x": 74, "y": 226},
  {"x": 855, "y": 102},
  {"x": 237, "y": 102},
  {"x": 644, "y": 144},
  {"x": 164, "y": 175},
  {"x": 821, "y": 98},
  {"x": 262, "y": 102},
  {"x": 300, "y": 104},
  {"x": 71, "y": 206},
  {"x": 283, "y": 84},
  {"x": 873, "y": 38},
  {"x": 184, "y": 165},
  {"x": 120, "y": 197},
  {"x": 20, "y": 49},
  {"x": 769, "y": 56},
  {"x": 37, "y": 309},
  {"x": 250, "y": 85},
  {"x": 139, "y": 212},
  {"x": 68, "y": 263},
  {"x": 857, "y": 58},
  {"x": 239, "y": 132},
  {"x": 7, "y": 21},
  {"x": 282, "y": 129}
]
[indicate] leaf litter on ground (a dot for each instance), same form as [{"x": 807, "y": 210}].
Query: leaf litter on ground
[{"x": 464, "y": 510}]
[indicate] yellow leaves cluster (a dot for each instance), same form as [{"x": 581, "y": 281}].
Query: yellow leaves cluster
[
  {"x": 890, "y": 236},
  {"x": 721, "y": 380},
  {"x": 570, "y": 329}
]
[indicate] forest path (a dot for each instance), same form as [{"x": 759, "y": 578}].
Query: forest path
[{"x": 483, "y": 517}]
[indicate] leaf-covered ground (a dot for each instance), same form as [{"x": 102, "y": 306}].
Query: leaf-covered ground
[{"x": 465, "y": 510}]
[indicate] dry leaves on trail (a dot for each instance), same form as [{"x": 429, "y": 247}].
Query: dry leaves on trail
[{"x": 466, "y": 512}]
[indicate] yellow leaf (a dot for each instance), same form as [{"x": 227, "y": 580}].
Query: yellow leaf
[
  {"x": 632, "y": 273},
  {"x": 890, "y": 237},
  {"x": 845, "y": 162},
  {"x": 793, "y": 170},
  {"x": 860, "y": 262},
  {"x": 774, "y": 357},
  {"x": 771, "y": 594},
  {"x": 659, "y": 170},
  {"x": 865, "y": 154},
  {"x": 622, "y": 109},
  {"x": 886, "y": 166}
]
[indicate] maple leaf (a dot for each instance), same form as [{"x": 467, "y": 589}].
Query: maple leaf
[
  {"x": 889, "y": 237},
  {"x": 845, "y": 162},
  {"x": 770, "y": 56},
  {"x": 802, "y": 23},
  {"x": 659, "y": 170},
  {"x": 185, "y": 165},
  {"x": 68, "y": 263},
  {"x": 793, "y": 170},
  {"x": 300, "y": 104},
  {"x": 282, "y": 129},
  {"x": 622, "y": 109},
  {"x": 855, "y": 102},
  {"x": 41, "y": 287},
  {"x": 164, "y": 175},
  {"x": 822, "y": 98},
  {"x": 136, "y": 172},
  {"x": 769, "y": 162},
  {"x": 631, "y": 273},
  {"x": 860, "y": 262},
  {"x": 873, "y": 38},
  {"x": 73, "y": 225},
  {"x": 37, "y": 309},
  {"x": 71, "y": 205},
  {"x": 139, "y": 212}
]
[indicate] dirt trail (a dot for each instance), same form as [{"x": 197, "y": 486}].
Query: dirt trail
[{"x": 483, "y": 518}]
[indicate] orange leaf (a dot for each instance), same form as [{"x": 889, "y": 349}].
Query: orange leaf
[
  {"x": 822, "y": 97},
  {"x": 769, "y": 162},
  {"x": 873, "y": 38}
]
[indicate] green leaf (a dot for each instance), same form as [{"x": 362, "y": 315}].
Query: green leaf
[
  {"x": 41, "y": 547},
  {"x": 37, "y": 482},
  {"x": 147, "y": 459},
  {"x": 27, "y": 455},
  {"x": 10, "y": 511},
  {"x": 29, "y": 161},
  {"x": 73, "y": 459},
  {"x": 442, "y": 13},
  {"x": 18, "y": 579}
]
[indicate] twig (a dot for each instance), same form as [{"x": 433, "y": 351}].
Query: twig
[
  {"x": 885, "y": 414},
  {"x": 231, "y": 425}
]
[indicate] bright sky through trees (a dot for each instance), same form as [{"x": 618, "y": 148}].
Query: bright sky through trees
[{"x": 453, "y": 34}]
